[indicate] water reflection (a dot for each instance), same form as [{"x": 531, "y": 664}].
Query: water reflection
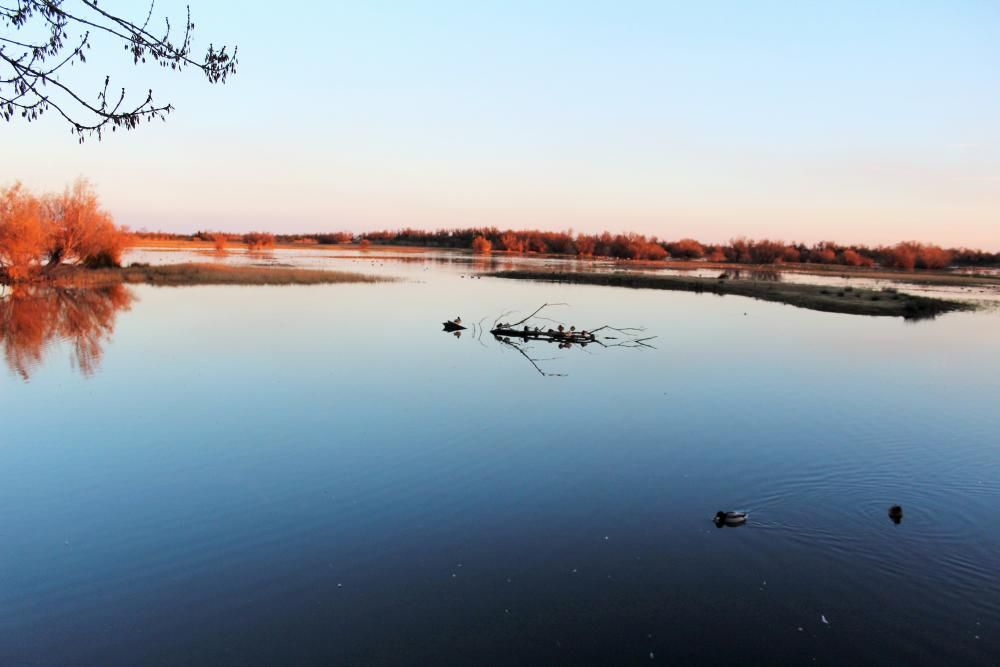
[{"x": 33, "y": 318}]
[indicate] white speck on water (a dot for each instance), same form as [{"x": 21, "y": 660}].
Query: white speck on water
[
  {"x": 651, "y": 656},
  {"x": 459, "y": 565},
  {"x": 574, "y": 570},
  {"x": 508, "y": 580},
  {"x": 605, "y": 537},
  {"x": 453, "y": 575},
  {"x": 823, "y": 618},
  {"x": 800, "y": 629},
  {"x": 976, "y": 636},
  {"x": 340, "y": 585},
  {"x": 506, "y": 611}
]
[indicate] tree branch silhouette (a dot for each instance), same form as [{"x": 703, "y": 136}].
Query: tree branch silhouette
[{"x": 30, "y": 67}]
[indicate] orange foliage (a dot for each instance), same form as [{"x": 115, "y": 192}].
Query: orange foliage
[
  {"x": 585, "y": 245},
  {"x": 823, "y": 256},
  {"x": 718, "y": 254},
  {"x": 219, "y": 241},
  {"x": 511, "y": 242},
  {"x": 910, "y": 255},
  {"x": 481, "y": 245},
  {"x": 686, "y": 249},
  {"x": 258, "y": 240},
  {"x": 80, "y": 231},
  {"x": 69, "y": 227},
  {"x": 22, "y": 235},
  {"x": 852, "y": 257}
]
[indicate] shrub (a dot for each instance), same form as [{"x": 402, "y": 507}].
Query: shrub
[
  {"x": 717, "y": 255},
  {"x": 686, "y": 249},
  {"x": 481, "y": 245},
  {"x": 258, "y": 240},
  {"x": 911, "y": 255},
  {"x": 219, "y": 241},
  {"x": 510, "y": 242}
]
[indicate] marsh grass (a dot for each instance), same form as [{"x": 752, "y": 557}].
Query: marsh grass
[
  {"x": 207, "y": 274},
  {"x": 813, "y": 297}
]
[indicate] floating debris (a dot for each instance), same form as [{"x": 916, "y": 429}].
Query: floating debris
[
  {"x": 896, "y": 514},
  {"x": 823, "y": 618}
]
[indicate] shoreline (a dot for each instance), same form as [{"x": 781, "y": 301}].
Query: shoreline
[{"x": 192, "y": 274}]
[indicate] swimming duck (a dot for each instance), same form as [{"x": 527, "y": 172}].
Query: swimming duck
[
  {"x": 896, "y": 513},
  {"x": 730, "y": 518}
]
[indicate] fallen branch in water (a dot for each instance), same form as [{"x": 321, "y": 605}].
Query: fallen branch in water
[{"x": 519, "y": 338}]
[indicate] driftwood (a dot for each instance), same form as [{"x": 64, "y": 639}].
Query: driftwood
[{"x": 535, "y": 328}]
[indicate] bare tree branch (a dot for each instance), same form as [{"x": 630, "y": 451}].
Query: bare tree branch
[{"x": 29, "y": 86}]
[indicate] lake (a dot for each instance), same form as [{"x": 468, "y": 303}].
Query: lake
[{"x": 321, "y": 475}]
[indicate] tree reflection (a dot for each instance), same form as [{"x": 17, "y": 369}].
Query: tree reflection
[{"x": 32, "y": 318}]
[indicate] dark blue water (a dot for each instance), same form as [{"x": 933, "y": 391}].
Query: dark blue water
[{"x": 319, "y": 475}]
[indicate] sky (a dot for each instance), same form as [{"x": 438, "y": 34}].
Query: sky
[{"x": 850, "y": 121}]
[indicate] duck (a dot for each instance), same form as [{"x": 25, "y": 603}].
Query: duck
[
  {"x": 730, "y": 518},
  {"x": 896, "y": 513}
]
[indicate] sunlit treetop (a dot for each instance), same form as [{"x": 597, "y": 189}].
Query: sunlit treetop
[{"x": 39, "y": 38}]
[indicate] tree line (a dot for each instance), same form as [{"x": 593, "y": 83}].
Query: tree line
[{"x": 906, "y": 255}]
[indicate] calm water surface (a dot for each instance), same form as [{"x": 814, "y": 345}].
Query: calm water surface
[{"x": 229, "y": 475}]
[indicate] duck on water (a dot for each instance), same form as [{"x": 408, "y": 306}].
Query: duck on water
[
  {"x": 454, "y": 325},
  {"x": 730, "y": 518}
]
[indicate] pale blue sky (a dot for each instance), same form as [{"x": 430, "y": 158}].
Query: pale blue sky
[{"x": 854, "y": 121}]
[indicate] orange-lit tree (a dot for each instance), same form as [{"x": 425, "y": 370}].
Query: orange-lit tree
[
  {"x": 70, "y": 228},
  {"x": 80, "y": 231},
  {"x": 258, "y": 240},
  {"x": 22, "y": 234},
  {"x": 219, "y": 241}
]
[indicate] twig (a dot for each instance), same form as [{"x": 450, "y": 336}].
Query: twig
[{"x": 540, "y": 309}]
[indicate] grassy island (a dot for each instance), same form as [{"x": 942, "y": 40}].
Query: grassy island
[
  {"x": 203, "y": 274},
  {"x": 849, "y": 300}
]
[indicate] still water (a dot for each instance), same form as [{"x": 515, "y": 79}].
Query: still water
[{"x": 320, "y": 475}]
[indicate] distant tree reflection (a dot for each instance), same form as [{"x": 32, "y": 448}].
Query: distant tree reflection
[{"x": 32, "y": 318}]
